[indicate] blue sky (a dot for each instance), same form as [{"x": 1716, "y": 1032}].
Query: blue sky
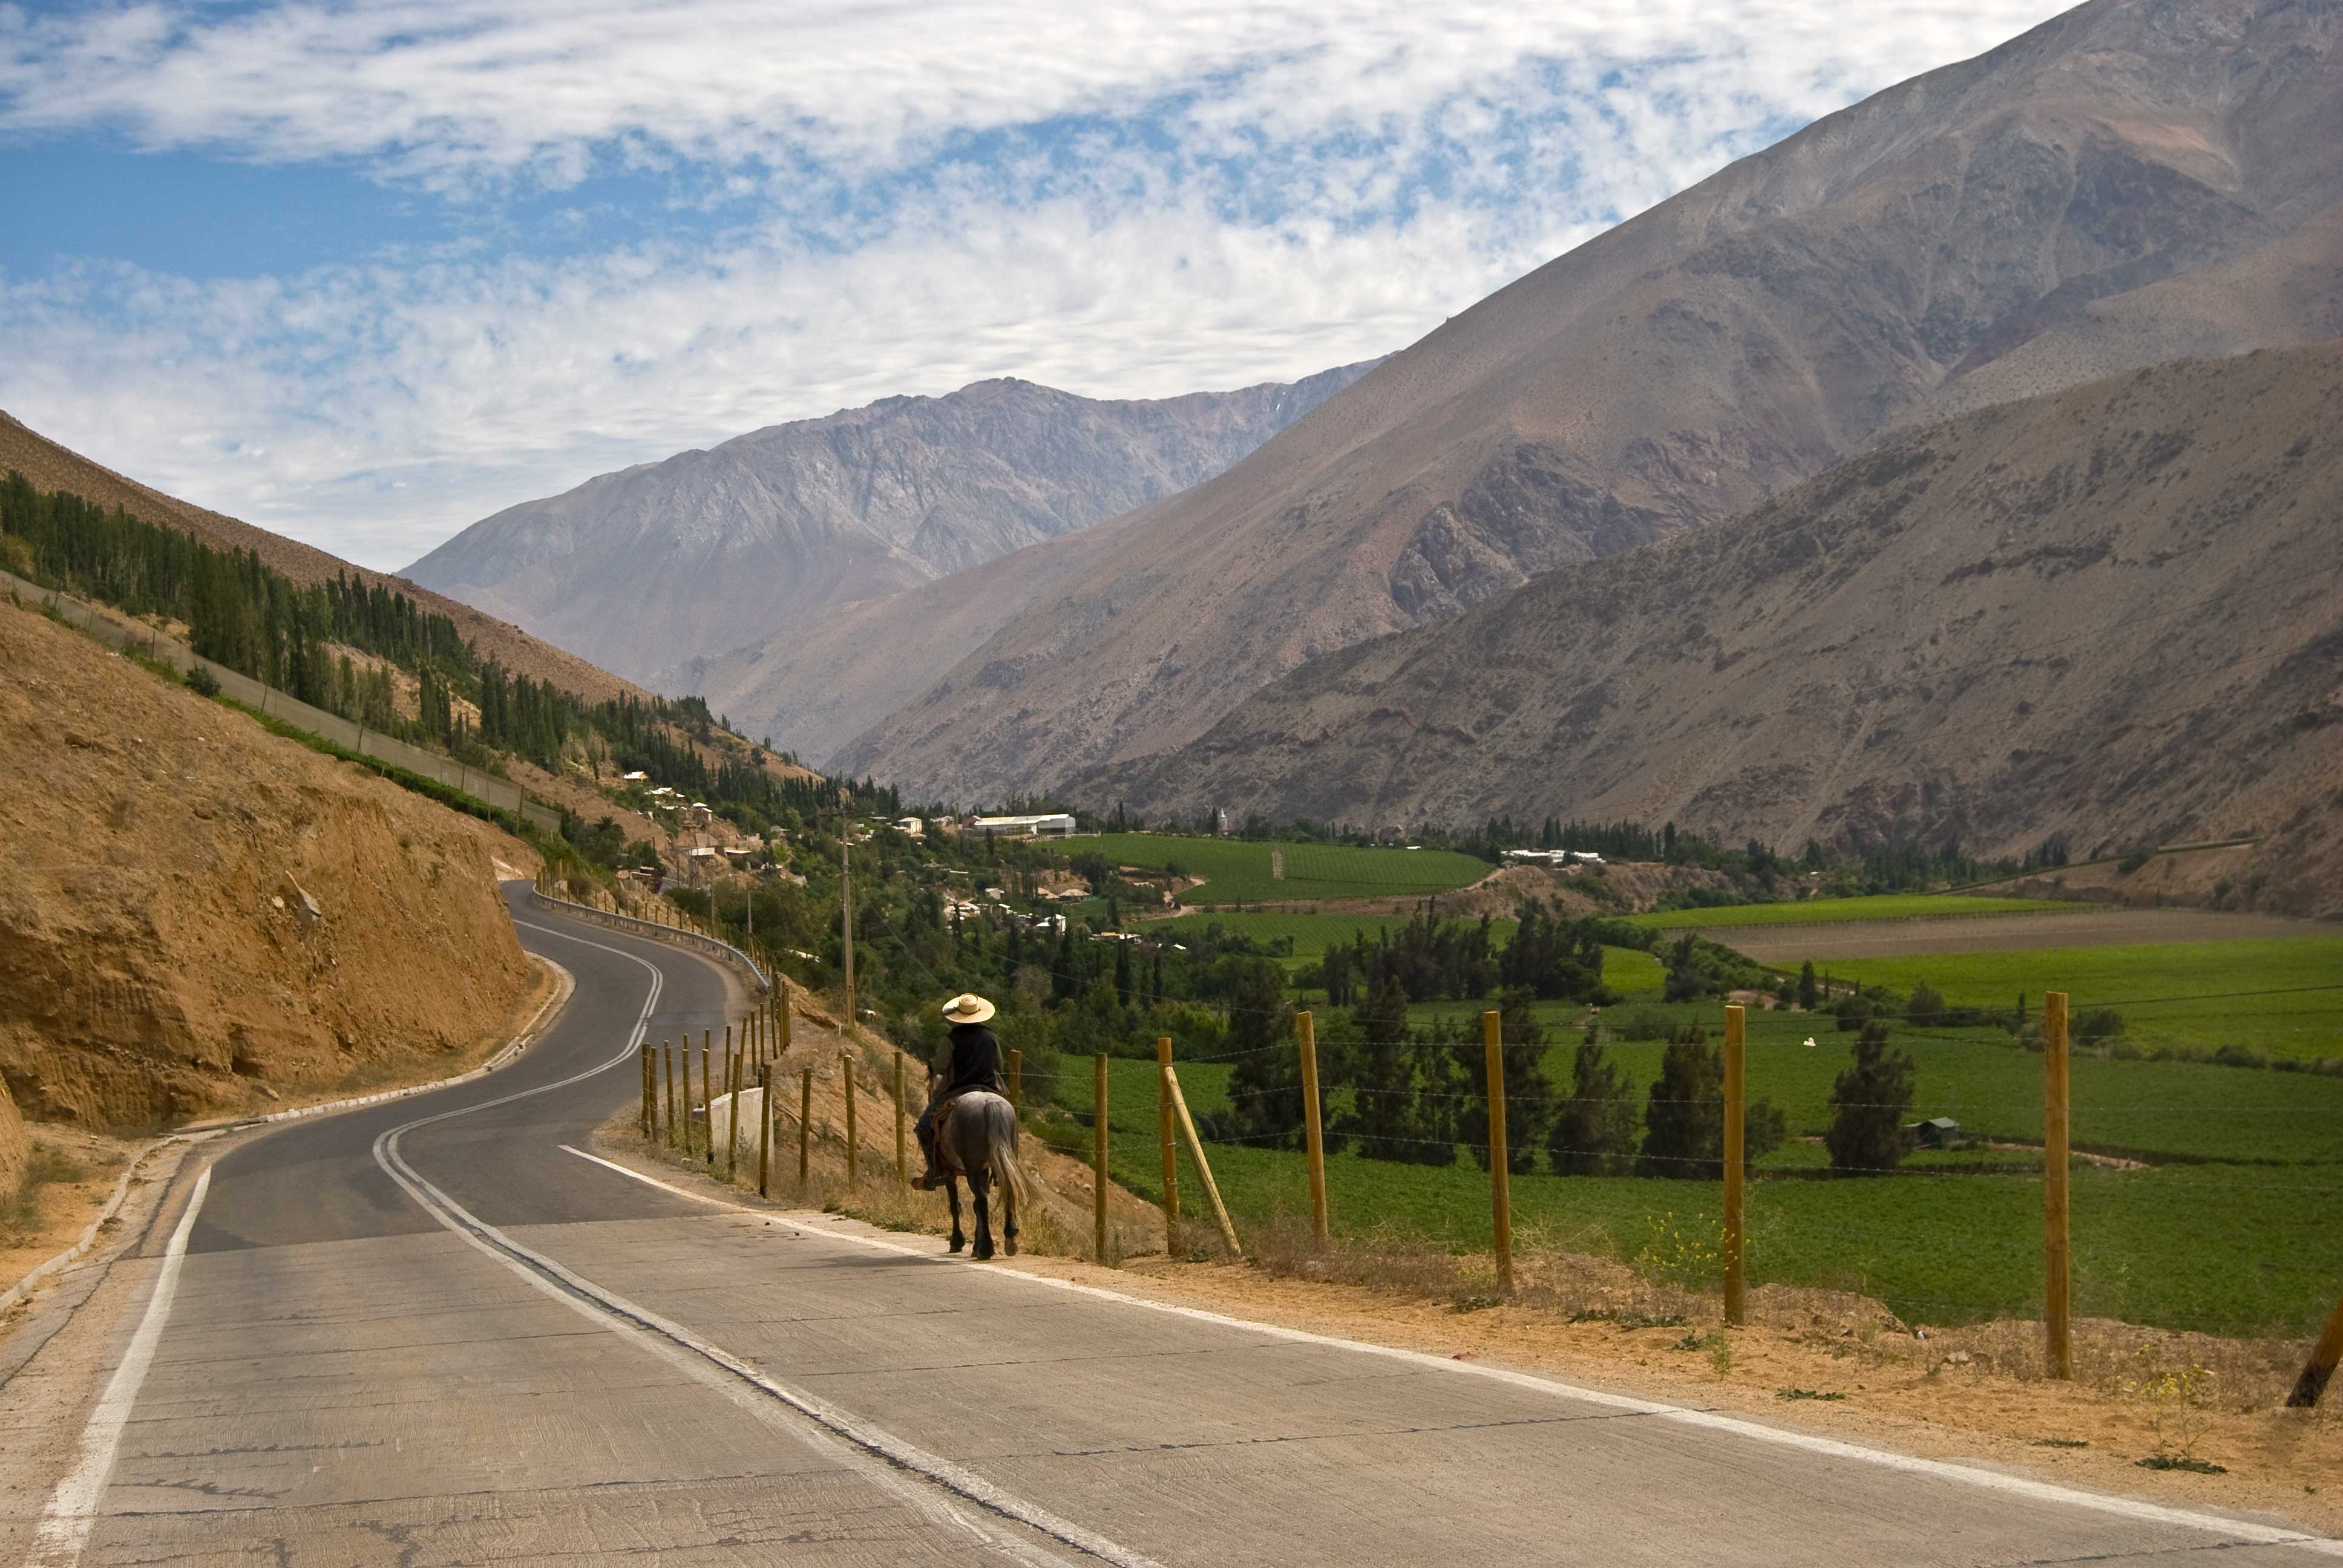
[{"x": 365, "y": 272}]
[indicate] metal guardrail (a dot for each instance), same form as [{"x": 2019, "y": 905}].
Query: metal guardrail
[
  {"x": 499, "y": 793},
  {"x": 682, "y": 936}
]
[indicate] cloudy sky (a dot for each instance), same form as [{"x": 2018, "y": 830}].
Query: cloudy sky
[{"x": 364, "y": 273}]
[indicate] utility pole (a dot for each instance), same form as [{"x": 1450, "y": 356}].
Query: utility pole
[{"x": 846, "y": 874}]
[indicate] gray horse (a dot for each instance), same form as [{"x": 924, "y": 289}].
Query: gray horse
[{"x": 977, "y": 1139}]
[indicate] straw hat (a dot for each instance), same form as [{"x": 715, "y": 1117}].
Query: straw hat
[{"x": 967, "y": 1007}]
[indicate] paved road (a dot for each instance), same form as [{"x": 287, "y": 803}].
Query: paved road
[{"x": 459, "y": 1342}]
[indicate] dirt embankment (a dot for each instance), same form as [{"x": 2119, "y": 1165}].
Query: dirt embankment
[
  {"x": 1621, "y": 888},
  {"x": 2276, "y": 876},
  {"x": 200, "y": 917},
  {"x": 14, "y": 1146}
]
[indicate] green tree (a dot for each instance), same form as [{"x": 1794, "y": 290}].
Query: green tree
[
  {"x": 1595, "y": 1133},
  {"x": 1810, "y": 994},
  {"x": 1529, "y": 1093},
  {"x": 1683, "y": 1116},
  {"x": 1870, "y": 1103},
  {"x": 1380, "y": 1069},
  {"x": 1265, "y": 1075}
]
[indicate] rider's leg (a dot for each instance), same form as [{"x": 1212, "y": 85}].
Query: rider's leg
[{"x": 926, "y": 1129}]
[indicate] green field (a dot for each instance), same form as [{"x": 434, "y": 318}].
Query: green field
[
  {"x": 2221, "y": 1248},
  {"x": 1240, "y": 870},
  {"x": 2256, "y": 993},
  {"x": 1883, "y": 907}
]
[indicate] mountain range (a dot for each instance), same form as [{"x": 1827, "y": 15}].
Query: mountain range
[
  {"x": 658, "y": 567},
  {"x": 2133, "y": 182},
  {"x": 2112, "y": 613}
]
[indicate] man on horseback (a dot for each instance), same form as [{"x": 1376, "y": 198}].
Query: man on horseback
[{"x": 975, "y": 1064}]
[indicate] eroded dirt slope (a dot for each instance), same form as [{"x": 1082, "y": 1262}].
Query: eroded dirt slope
[{"x": 196, "y": 914}]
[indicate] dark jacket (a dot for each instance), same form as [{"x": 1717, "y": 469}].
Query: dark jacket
[{"x": 975, "y": 1061}]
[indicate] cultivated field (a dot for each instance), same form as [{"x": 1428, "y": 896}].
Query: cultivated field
[
  {"x": 2231, "y": 1247},
  {"x": 2266, "y": 995},
  {"x": 1240, "y": 871},
  {"x": 1310, "y": 935},
  {"x": 2088, "y": 926},
  {"x": 1882, "y": 907}
]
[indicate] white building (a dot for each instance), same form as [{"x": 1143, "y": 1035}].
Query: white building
[
  {"x": 912, "y": 826},
  {"x": 1035, "y": 826},
  {"x": 1564, "y": 858}
]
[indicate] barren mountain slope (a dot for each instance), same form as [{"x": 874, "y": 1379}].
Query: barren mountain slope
[
  {"x": 687, "y": 558},
  {"x": 53, "y": 468},
  {"x": 1676, "y": 369},
  {"x": 160, "y": 960},
  {"x": 815, "y": 686},
  {"x": 2114, "y": 612}
]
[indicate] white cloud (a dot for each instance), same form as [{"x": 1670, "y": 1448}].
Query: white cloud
[{"x": 1244, "y": 192}]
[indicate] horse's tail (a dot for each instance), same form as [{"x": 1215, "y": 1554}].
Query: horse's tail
[{"x": 1001, "y": 1154}]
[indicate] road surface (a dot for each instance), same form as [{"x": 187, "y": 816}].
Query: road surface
[{"x": 428, "y": 1332}]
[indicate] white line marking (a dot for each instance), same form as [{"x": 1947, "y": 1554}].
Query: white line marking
[
  {"x": 71, "y": 1510},
  {"x": 1933, "y": 1469},
  {"x": 881, "y": 1457}
]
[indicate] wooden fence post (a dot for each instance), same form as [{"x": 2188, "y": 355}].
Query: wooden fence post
[
  {"x": 1737, "y": 1098},
  {"x": 708, "y": 1092},
  {"x": 853, "y": 1149},
  {"x": 2322, "y": 1364},
  {"x": 1305, "y": 1034},
  {"x": 1170, "y": 1146},
  {"x": 1203, "y": 1166},
  {"x": 805, "y": 1123},
  {"x": 764, "y": 1129},
  {"x": 650, "y": 1107},
  {"x": 902, "y": 1159},
  {"x": 782, "y": 1006},
  {"x": 2057, "y": 1282},
  {"x": 1098, "y": 1166},
  {"x": 1500, "y": 1197},
  {"x": 666, "y": 1049},
  {"x": 1017, "y": 1081},
  {"x": 732, "y": 1065}
]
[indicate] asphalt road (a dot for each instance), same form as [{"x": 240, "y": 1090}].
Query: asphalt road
[{"x": 426, "y": 1333}]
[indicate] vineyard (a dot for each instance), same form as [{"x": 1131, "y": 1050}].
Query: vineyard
[
  {"x": 1879, "y": 906},
  {"x": 2205, "y": 1213},
  {"x": 1236, "y": 870},
  {"x": 2254, "y": 996}
]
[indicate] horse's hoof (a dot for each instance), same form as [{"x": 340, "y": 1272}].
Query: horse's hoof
[
  {"x": 956, "y": 1244},
  {"x": 1009, "y": 1246},
  {"x": 983, "y": 1254}
]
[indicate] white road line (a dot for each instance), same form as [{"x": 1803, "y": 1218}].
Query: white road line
[
  {"x": 71, "y": 1510},
  {"x": 2237, "y": 1529},
  {"x": 875, "y": 1454}
]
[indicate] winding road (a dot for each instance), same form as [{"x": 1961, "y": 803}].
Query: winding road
[{"x": 432, "y": 1331}]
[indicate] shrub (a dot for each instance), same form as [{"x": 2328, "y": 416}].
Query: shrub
[
  {"x": 2100, "y": 1026},
  {"x": 201, "y": 681},
  {"x": 1642, "y": 1024},
  {"x": 1871, "y": 1100},
  {"x": 1926, "y": 1007},
  {"x": 2135, "y": 861}
]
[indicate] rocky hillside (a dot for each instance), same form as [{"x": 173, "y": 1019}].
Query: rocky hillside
[
  {"x": 2114, "y": 612},
  {"x": 655, "y": 566},
  {"x": 2133, "y": 182},
  {"x": 198, "y": 915},
  {"x": 53, "y": 468}
]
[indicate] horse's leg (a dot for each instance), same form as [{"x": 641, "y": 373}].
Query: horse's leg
[
  {"x": 951, "y": 1187},
  {"x": 979, "y": 1182},
  {"x": 1009, "y": 1217}
]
